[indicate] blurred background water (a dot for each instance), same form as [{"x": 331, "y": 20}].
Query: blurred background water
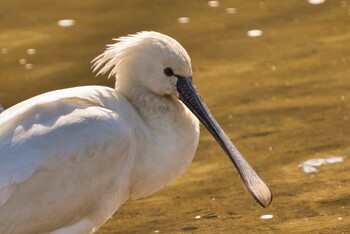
[{"x": 276, "y": 74}]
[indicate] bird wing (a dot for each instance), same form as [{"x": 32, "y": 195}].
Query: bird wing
[{"x": 64, "y": 138}]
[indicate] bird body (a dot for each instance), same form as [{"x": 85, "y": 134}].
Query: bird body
[
  {"x": 100, "y": 169},
  {"x": 70, "y": 158}
]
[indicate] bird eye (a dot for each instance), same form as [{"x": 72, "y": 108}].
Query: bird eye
[{"x": 168, "y": 71}]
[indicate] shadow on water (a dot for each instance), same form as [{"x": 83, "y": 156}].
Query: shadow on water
[{"x": 276, "y": 74}]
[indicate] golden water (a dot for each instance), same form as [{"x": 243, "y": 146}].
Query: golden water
[{"x": 283, "y": 98}]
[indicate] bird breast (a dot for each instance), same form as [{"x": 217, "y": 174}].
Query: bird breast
[{"x": 169, "y": 145}]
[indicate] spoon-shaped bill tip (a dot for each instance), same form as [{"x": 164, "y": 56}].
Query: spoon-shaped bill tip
[{"x": 258, "y": 189}]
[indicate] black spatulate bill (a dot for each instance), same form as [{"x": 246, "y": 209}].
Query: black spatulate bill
[{"x": 251, "y": 180}]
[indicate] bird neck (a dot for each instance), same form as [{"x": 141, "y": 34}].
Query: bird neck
[
  {"x": 167, "y": 144},
  {"x": 153, "y": 108}
]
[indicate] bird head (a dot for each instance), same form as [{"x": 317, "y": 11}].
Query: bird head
[{"x": 148, "y": 59}]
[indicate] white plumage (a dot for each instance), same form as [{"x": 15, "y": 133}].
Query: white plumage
[{"x": 70, "y": 158}]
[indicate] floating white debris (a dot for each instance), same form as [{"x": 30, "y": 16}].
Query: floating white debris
[
  {"x": 336, "y": 159},
  {"x": 267, "y": 216},
  {"x": 231, "y": 10},
  {"x": 28, "y": 66},
  {"x": 156, "y": 231},
  {"x": 4, "y": 50},
  {"x": 66, "y": 23},
  {"x": 309, "y": 169},
  {"x": 213, "y": 3},
  {"x": 310, "y": 165},
  {"x": 183, "y": 20},
  {"x": 254, "y": 33},
  {"x": 31, "y": 51},
  {"x": 22, "y": 61},
  {"x": 316, "y": 2},
  {"x": 197, "y": 217}
]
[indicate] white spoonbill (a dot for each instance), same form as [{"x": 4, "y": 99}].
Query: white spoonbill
[{"x": 70, "y": 158}]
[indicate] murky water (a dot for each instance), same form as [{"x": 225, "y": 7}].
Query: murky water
[{"x": 276, "y": 74}]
